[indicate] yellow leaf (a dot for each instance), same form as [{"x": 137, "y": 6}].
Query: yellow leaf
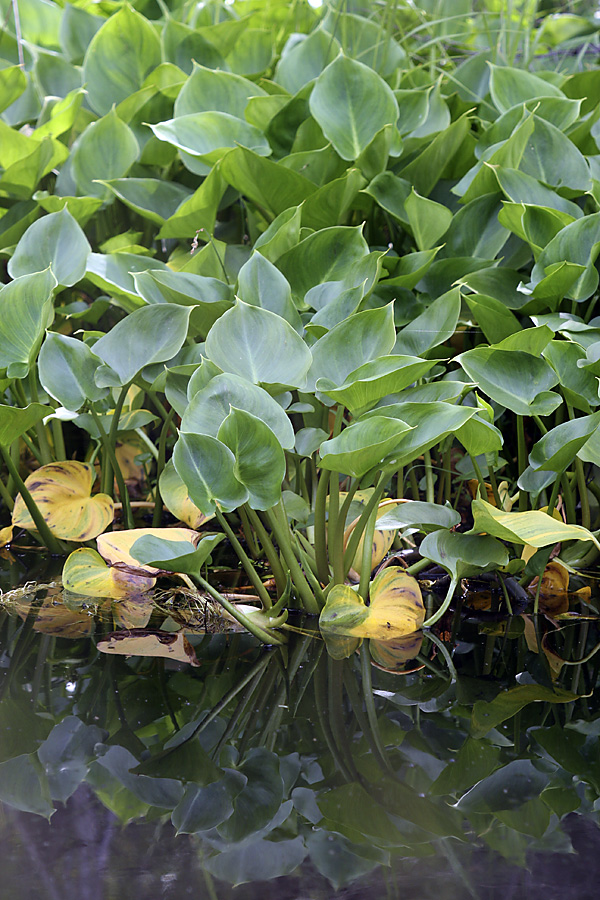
[
  {"x": 139, "y": 642},
  {"x": 396, "y": 608},
  {"x": 177, "y": 499},
  {"x": 528, "y": 551},
  {"x": 132, "y": 472},
  {"x": 6, "y": 535},
  {"x": 382, "y": 541},
  {"x": 115, "y": 546},
  {"x": 132, "y": 612},
  {"x": 86, "y": 573},
  {"x": 56, "y": 619},
  {"x": 62, "y": 492},
  {"x": 535, "y": 527}
]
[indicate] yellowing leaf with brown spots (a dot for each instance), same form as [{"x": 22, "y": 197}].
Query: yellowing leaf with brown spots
[
  {"x": 396, "y": 608},
  {"x": 140, "y": 642},
  {"x": 56, "y": 619},
  {"x": 86, "y": 573},
  {"x": 115, "y": 546},
  {"x": 63, "y": 493}
]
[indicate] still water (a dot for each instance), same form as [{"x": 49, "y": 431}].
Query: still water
[{"x": 462, "y": 765}]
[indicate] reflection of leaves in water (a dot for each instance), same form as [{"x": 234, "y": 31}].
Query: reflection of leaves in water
[{"x": 141, "y": 642}]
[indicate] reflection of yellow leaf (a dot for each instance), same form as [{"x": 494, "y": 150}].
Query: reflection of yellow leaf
[
  {"x": 115, "y": 546},
  {"x": 396, "y": 608},
  {"x": 132, "y": 612},
  {"x": 554, "y": 660},
  {"x": 139, "y": 642},
  {"x": 62, "y": 492},
  {"x": 177, "y": 499},
  {"x": 393, "y": 655},
  {"x": 56, "y": 619},
  {"x": 86, "y": 573},
  {"x": 382, "y": 541},
  {"x": 6, "y": 535}
]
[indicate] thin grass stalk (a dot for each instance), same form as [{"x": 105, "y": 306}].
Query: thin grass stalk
[{"x": 160, "y": 464}]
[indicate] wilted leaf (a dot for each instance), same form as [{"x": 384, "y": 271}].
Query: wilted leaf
[
  {"x": 140, "y": 642},
  {"x": 86, "y": 573},
  {"x": 396, "y": 608},
  {"x": 115, "y": 547},
  {"x": 554, "y": 589},
  {"x": 62, "y": 492}
]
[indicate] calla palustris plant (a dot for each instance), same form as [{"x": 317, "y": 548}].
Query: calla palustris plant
[{"x": 288, "y": 298}]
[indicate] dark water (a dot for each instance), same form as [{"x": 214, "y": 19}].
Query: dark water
[{"x": 473, "y": 772}]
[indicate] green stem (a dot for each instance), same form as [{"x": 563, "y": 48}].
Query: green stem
[
  {"x": 48, "y": 538},
  {"x": 429, "y": 487},
  {"x": 321, "y": 528},
  {"x": 583, "y": 494},
  {"x": 479, "y": 476},
  {"x": 160, "y": 464},
  {"x": 8, "y": 500},
  {"x": 282, "y": 536},
  {"x": 249, "y": 535},
  {"x": 414, "y": 484},
  {"x": 270, "y": 551},
  {"x": 447, "y": 601},
  {"x": 58, "y": 438},
  {"x": 40, "y": 430},
  {"x": 360, "y": 526},
  {"x": 245, "y": 560},
  {"x": 114, "y": 467},
  {"x": 336, "y": 551},
  {"x": 267, "y": 637},
  {"x": 367, "y": 556},
  {"x": 521, "y": 459}
]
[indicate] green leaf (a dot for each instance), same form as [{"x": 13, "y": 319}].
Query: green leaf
[
  {"x": 66, "y": 369},
  {"x": 463, "y": 554},
  {"x": 199, "y": 211},
  {"x": 208, "y": 135},
  {"x": 237, "y": 343},
  {"x": 519, "y": 381},
  {"x": 206, "y": 467},
  {"x": 260, "y": 283},
  {"x": 208, "y": 297},
  {"x": 432, "y": 327},
  {"x": 429, "y": 422},
  {"x": 488, "y": 715},
  {"x": 174, "y": 556},
  {"x": 578, "y": 243},
  {"x": 259, "y": 460},
  {"x": 495, "y": 320},
  {"x": 24, "y": 785},
  {"x": 207, "y": 90},
  {"x": 15, "y": 421},
  {"x": 418, "y": 516},
  {"x": 534, "y": 527},
  {"x": 148, "y": 335},
  {"x": 150, "y": 197},
  {"x": 305, "y": 60},
  {"x": 363, "y": 446},
  {"x": 56, "y": 241},
  {"x": 511, "y": 87},
  {"x": 330, "y": 254},
  {"x": 118, "y": 59},
  {"x": 428, "y": 220},
  {"x": 12, "y": 84},
  {"x": 557, "y": 449},
  {"x": 579, "y": 384},
  {"x": 281, "y": 235},
  {"x": 375, "y": 379},
  {"x": 273, "y": 187},
  {"x": 210, "y": 406},
  {"x": 259, "y": 799},
  {"x": 507, "y": 788},
  {"x": 553, "y": 158},
  {"x": 349, "y": 345},
  {"x": 26, "y": 310},
  {"x": 338, "y": 103}
]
